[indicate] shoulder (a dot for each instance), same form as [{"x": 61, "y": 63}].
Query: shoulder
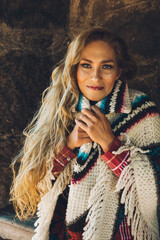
[
  {"x": 144, "y": 119},
  {"x": 136, "y": 94},
  {"x": 141, "y": 101}
]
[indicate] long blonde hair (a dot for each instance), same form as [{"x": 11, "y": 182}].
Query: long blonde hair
[{"x": 47, "y": 133}]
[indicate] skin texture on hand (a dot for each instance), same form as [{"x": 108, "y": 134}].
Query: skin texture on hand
[
  {"x": 91, "y": 126},
  {"x": 77, "y": 138}
]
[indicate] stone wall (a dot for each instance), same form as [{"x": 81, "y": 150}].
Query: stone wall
[{"x": 34, "y": 36}]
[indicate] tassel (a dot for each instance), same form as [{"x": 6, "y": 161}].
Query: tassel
[
  {"x": 50, "y": 199},
  {"x": 98, "y": 200},
  {"x": 95, "y": 202},
  {"x": 129, "y": 197}
]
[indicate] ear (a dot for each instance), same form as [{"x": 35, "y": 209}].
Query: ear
[{"x": 119, "y": 72}]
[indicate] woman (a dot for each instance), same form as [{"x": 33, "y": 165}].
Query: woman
[{"x": 98, "y": 137}]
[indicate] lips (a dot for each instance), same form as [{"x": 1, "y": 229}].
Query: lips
[{"x": 96, "y": 88}]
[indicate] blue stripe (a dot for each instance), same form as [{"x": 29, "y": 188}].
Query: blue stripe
[
  {"x": 140, "y": 98},
  {"x": 80, "y": 102},
  {"x": 103, "y": 104},
  {"x": 155, "y": 151},
  {"x": 82, "y": 155}
]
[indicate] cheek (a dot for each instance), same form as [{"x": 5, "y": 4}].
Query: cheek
[
  {"x": 110, "y": 81},
  {"x": 79, "y": 78},
  {"x": 110, "y": 77},
  {"x": 81, "y": 75},
  {"x": 78, "y": 74}
]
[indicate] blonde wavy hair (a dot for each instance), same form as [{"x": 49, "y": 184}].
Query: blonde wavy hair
[{"x": 47, "y": 133}]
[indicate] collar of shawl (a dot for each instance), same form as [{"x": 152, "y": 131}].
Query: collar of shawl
[{"x": 118, "y": 101}]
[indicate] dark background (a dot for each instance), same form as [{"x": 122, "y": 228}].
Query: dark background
[{"x": 34, "y": 36}]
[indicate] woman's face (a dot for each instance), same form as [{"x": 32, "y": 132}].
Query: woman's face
[{"x": 97, "y": 70}]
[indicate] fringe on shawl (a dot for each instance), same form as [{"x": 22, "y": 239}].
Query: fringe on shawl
[
  {"x": 126, "y": 182},
  {"x": 95, "y": 206},
  {"x": 48, "y": 203},
  {"x": 96, "y": 203}
]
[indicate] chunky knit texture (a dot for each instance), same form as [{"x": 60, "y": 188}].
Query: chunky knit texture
[{"x": 96, "y": 191}]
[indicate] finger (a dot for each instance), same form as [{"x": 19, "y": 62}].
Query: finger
[
  {"x": 96, "y": 110},
  {"x": 84, "y": 118},
  {"x": 91, "y": 115},
  {"x": 77, "y": 126},
  {"x": 81, "y": 124},
  {"x": 87, "y": 140},
  {"x": 83, "y": 135},
  {"x": 80, "y": 130}
]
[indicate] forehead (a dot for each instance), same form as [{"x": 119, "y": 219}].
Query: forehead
[{"x": 98, "y": 50}]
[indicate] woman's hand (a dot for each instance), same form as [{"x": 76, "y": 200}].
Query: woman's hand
[
  {"x": 77, "y": 138},
  {"x": 96, "y": 126}
]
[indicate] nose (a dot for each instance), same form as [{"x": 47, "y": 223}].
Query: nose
[{"x": 96, "y": 74}]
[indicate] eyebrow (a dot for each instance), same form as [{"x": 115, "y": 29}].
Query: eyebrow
[{"x": 104, "y": 61}]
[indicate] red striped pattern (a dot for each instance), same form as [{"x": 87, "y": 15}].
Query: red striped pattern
[
  {"x": 61, "y": 161},
  {"x": 124, "y": 232},
  {"x": 116, "y": 162}
]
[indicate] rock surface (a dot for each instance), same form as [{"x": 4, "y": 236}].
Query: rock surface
[{"x": 34, "y": 36}]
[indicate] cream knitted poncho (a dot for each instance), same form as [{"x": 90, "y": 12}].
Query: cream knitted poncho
[{"x": 135, "y": 120}]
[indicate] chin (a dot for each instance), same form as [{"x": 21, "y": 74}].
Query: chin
[{"x": 94, "y": 98}]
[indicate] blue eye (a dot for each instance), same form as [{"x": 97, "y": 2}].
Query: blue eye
[
  {"x": 86, "y": 65},
  {"x": 107, "y": 66}
]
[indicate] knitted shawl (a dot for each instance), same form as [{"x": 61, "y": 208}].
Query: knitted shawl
[{"x": 95, "y": 190}]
